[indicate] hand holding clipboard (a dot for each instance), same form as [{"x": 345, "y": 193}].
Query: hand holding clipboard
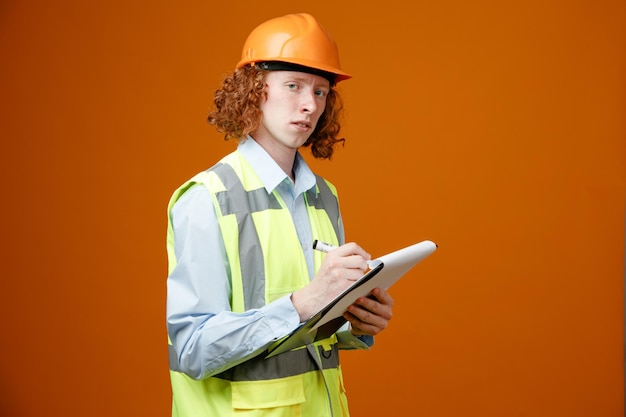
[{"x": 384, "y": 272}]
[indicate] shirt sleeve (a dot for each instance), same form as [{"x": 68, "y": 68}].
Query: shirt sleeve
[
  {"x": 348, "y": 341},
  {"x": 207, "y": 336}
]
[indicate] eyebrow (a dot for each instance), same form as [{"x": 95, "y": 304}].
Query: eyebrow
[{"x": 304, "y": 78}]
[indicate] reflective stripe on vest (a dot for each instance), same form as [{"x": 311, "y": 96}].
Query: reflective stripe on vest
[
  {"x": 286, "y": 364},
  {"x": 325, "y": 199},
  {"x": 236, "y": 200}
]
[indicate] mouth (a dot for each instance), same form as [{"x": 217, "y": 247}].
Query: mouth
[{"x": 302, "y": 125}]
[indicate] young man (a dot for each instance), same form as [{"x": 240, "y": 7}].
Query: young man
[{"x": 242, "y": 270}]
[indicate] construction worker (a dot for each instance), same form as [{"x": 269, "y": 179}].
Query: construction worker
[{"x": 242, "y": 270}]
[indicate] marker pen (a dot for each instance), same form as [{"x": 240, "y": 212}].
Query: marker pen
[{"x": 322, "y": 246}]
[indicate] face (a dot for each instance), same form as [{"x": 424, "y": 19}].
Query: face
[{"x": 293, "y": 104}]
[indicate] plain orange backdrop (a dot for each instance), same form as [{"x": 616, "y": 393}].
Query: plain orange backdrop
[{"x": 495, "y": 129}]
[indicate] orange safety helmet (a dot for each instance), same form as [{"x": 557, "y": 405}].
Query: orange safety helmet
[{"x": 293, "y": 39}]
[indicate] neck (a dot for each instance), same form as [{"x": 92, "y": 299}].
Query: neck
[{"x": 284, "y": 156}]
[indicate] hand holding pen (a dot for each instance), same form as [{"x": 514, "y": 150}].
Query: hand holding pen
[
  {"x": 340, "y": 268},
  {"x": 368, "y": 315},
  {"x": 327, "y": 247}
]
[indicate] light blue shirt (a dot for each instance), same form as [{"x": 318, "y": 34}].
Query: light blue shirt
[{"x": 207, "y": 335}]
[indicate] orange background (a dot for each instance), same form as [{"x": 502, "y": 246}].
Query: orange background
[{"x": 495, "y": 129}]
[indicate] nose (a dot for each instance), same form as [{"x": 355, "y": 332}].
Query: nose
[{"x": 309, "y": 103}]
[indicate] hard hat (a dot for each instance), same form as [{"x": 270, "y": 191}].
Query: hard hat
[{"x": 295, "y": 39}]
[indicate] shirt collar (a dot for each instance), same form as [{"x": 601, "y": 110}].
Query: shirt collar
[{"x": 270, "y": 174}]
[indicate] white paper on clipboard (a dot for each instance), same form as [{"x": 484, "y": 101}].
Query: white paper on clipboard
[{"x": 386, "y": 270}]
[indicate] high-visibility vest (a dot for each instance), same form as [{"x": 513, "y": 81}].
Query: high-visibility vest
[{"x": 266, "y": 262}]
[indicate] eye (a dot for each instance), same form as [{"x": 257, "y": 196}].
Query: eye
[
  {"x": 321, "y": 93},
  {"x": 292, "y": 86}
]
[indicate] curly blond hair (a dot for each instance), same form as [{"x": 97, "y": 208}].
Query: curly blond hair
[{"x": 237, "y": 111}]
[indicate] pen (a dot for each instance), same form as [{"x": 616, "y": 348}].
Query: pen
[
  {"x": 323, "y": 246},
  {"x": 327, "y": 247}
]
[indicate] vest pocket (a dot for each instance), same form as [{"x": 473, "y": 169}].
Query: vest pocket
[{"x": 273, "y": 398}]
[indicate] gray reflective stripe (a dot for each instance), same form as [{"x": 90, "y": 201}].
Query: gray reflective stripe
[
  {"x": 325, "y": 200},
  {"x": 236, "y": 200},
  {"x": 294, "y": 362},
  {"x": 173, "y": 356}
]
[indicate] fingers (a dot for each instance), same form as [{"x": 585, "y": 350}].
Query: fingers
[
  {"x": 368, "y": 325},
  {"x": 346, "y": 264},
  {"x": 350, "y": 256},
  {"x": 340, "y": 268},
  {"x": 370, "y": 315},
  {"x": 383, "y": 297}
]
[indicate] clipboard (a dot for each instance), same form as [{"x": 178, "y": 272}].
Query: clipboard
[{"x": 384, "y": 272}]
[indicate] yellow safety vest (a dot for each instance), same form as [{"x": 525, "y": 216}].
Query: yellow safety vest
[{"x": 265, "y": 262}]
